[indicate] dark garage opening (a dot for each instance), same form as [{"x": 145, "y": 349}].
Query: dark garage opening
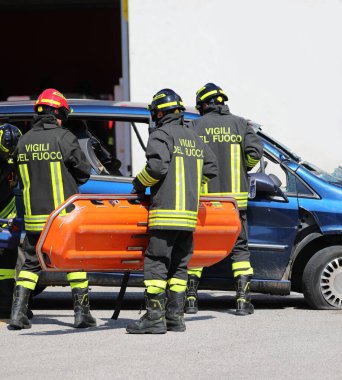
[{"x": 73, "y": 46}]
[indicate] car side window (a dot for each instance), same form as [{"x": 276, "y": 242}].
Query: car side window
[
  {"x": 113, "y": 146},
  {"x": 270, "y": 166},
  {"x": 303, "y": 189}
]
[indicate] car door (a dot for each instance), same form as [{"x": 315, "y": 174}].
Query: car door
[
  {"x": 106, "y": 174},
  {"x": 272, "y": 227},
  {"x": 273, "y": 224}
]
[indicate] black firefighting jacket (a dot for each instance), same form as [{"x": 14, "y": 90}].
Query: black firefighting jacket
[
  {"x": 177, "y": 163},
  {"x": 237, "y": 148},
  {"x": 7, "y": 181},
  {"x": 51, "y": 165}
]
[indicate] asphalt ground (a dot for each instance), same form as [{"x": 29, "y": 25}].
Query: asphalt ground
[{"x": 284, "y": 339}]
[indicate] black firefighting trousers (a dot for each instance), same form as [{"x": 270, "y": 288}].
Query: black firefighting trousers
[
  {"x": 31, "y": 263},
  {"x": 240, "y": 251},
  {"x": 8, "y": 258},
  {"x": 168, "y": 254}
]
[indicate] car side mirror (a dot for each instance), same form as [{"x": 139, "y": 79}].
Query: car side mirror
[
  {"x": 263, "y": 184},
  {"x": 275, "y": 180}
]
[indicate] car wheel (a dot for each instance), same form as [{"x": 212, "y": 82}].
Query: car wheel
[{"x": 322, "y": 279}]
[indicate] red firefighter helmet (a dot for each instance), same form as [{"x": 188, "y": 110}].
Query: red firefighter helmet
[{"x": 53, "y": 98}]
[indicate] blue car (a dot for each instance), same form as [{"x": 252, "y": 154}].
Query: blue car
[{"x": 295, "y": 214}]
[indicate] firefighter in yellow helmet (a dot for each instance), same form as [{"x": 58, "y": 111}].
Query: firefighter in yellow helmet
[
  {"x": 9, "y": 136},
  {"x": 238, "y": 149},
  {"x": 51, "y": 165},
  {"x": 177, "y": 162}
]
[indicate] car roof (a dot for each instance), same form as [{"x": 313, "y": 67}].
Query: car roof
[
  {"x": 89, "y": 107},
  {"x": 126, "y": 109}
]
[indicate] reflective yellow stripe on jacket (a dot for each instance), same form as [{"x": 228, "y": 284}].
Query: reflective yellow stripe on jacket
[
  {"x": 146, "y": 179},
  {"x": 57, "y": 183},
  {"x": 26, "y": 183},
  {"x": 200, "y": 179},
  {"x": 180, "y": 184},
  {"x": 241, "y": 198},
  {"x": 9, "y": 210},
  {"x": 35, "y": 222},
  {"x": 250, "y": 161},
  {"x": 174, "y": 218},
  {"x": 235, "y": 162},
  {"x": 235, "y": 167}
]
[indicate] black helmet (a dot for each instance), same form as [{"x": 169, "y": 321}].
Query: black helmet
[
  {"x": 9, "y": 136},
  {"x": 208, "y": 92},
  {"x": 165, "y": 100}
]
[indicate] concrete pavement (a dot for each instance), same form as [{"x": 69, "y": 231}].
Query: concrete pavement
[{"x": 282, "y": 340}]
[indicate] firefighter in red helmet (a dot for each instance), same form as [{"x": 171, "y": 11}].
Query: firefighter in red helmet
[{"x": 51, "y": 165}]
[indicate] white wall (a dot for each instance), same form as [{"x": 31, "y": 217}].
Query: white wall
[{"x": 279, "y": 61}]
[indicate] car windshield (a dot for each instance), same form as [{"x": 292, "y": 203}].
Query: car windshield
[
  {"x": 274, "y": 142},
  {"x": 335, "y": 177},
  {"x": 332, "y": 178}
]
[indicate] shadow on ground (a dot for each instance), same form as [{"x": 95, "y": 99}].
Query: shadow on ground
[{"x": 133, "y": 300}]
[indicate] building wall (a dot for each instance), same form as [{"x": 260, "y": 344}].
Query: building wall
[
  {"x": 280, "y": 62},
  {"x": 77, "y": 50}
]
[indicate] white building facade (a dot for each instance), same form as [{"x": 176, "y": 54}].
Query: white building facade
[{"x": 279, "y": 61}]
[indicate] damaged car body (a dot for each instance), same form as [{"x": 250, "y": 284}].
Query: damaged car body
[{"x": 294, "y": 210}]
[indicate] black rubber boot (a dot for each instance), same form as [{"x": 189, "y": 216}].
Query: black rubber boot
[
  {"x": 153, "y": 321},
  {"x": 243, "y": 299},
  {"x": 29, "y": 307},
  {"x": 191, "y": 303},
  {"x": 38, "y": 290},
  {"x": 175, "y": 311},
  {"x": 6, "y": 297},
  {"x": 83, "y": 318},
  {"x": 19, "y": 318},
  {"x": 29, "y": 313}
]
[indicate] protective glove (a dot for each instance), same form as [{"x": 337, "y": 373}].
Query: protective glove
[{"x": 138, "y": 187}]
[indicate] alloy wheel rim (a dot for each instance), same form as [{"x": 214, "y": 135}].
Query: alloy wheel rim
[{"x": 331, "y": 283}]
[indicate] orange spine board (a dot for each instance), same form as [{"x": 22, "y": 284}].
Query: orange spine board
[{"x": 110, "y": 233}]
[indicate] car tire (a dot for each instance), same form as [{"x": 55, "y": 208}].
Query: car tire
[{"x": 322, "y": 279}]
